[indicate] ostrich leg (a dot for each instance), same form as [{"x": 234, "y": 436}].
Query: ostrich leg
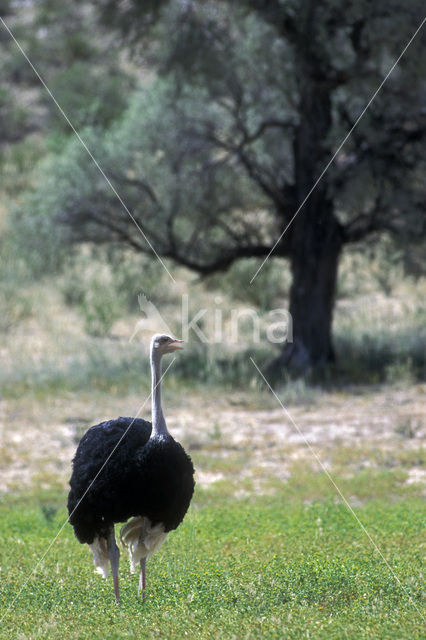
[
  {"x": 142, "y": 579},
  {"x": 142, "y": 575},
  {"x": 114, "y": 557}
]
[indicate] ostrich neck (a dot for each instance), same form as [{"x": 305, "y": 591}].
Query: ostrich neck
[{"x": 159, "y": 427}]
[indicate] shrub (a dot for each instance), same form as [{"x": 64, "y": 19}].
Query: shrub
[
  {"x": 15, "y": 305},
  {"x": 268, "y": 289}
]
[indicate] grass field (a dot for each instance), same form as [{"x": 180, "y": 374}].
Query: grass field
[
  {"x": 268, "y": 548},
  {"x": 276, "y": 566}
]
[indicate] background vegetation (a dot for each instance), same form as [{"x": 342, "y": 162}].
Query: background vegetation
[{"x": 213, "y": 154}]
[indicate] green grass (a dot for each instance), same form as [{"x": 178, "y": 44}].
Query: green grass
[{"x": 277, "y": 566}]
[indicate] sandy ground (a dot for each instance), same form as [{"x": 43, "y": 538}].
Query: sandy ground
[{"x": 235, "y": 436}]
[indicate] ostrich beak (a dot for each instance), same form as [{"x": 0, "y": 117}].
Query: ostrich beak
[{"x": 174, "y": 344}]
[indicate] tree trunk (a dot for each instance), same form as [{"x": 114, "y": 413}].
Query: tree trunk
[
  {"x": 315, "y": 237},
  {"x": 316, "y": 246}
]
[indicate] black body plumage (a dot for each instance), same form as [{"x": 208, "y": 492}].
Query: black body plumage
[{"x": 151, "y": 477}]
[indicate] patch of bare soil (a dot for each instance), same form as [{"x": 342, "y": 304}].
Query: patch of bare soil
[{"x": 385, "y": 428}]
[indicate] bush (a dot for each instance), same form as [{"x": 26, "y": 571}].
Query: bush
[
  {"x": 88, "y": 285},
  {"x": 33, "y": 236},
  {"x": 100, "y": 307},
  {"x": 269, "y": 288},
  {"x": 214, "y": 365},
  {"x": 88, "y": 97},
  {"x": 134, "y": 274},
  {"x": 15, "y": 304},
  {"x": 104, "y": 285}
]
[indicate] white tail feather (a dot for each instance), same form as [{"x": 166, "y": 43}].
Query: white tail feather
[
  {"x": 100, "y": 556},
  {"x": 141, "y": 539}
]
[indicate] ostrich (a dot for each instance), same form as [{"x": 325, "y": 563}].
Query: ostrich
[{"x": 129, "y": 468}]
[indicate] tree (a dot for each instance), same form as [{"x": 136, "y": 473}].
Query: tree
[
  {"x": 216, "y": 158},
  {"x": 76, "y": 59}
]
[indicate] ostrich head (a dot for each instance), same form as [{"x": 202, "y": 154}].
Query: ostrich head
[{"x": 161, "y": 344}]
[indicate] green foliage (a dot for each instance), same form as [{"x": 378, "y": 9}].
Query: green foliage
[
  {"x": 100, "y": 307},
  {"x": 265, "y": 568},
  {"x": 89, "y": 97},
  {"x": 267, "y": 291},
  {"x": 135, "y": 274},
  {"x": 171, "y": 183},
  {"x": 203, "y": 153},
  {"x": 75, "y": 58},
  {"x": 17, "y": 163},
  {"x": 15, "y": 303},
  {"x": 88, "y": 284},
  {"x": 99, "y": 367},
  {"x": 379, "y": 267},
  {"x": 372, "y": 354},
  {"x": 13, "y": 117},
  {"x": 103, "y": 286},
  {"x": 41, "y": 245},
  {"x": 213, "y": 364},
  {"x": 387, "y": 267},
  {"x": 378, "y": 339},
  {"x": 121, "y": 366},
  {"x": 402, "y": 372}
]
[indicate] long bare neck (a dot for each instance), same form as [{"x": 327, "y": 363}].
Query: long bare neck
[{"x": 159, "y": 427}]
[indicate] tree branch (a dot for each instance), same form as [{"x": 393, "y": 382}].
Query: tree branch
[
  {"x": 221, "y": 263},
  {"x": 263, "y": 126},
  {"x": 135, "y": 182},
  {"x": 359, "y": 227}
]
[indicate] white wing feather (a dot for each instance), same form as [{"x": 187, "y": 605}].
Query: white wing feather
[{"x": 141, "y": 539}]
